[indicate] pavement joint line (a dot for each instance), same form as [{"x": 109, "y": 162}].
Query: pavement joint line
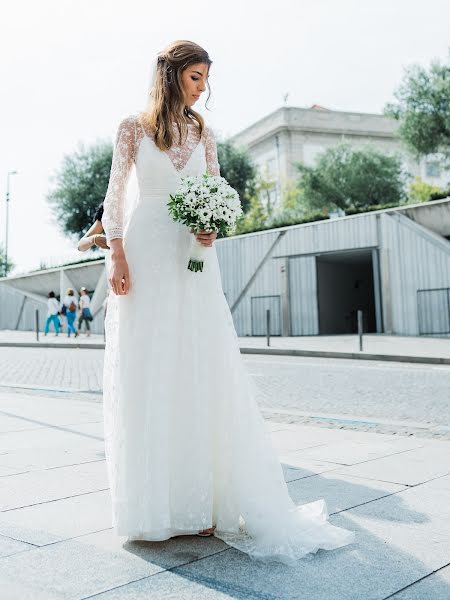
[
  {"x": 53, "y": 499},
  {"x": 24, "y": 386},
  {"x": 363, "y": 461},
  {"x": 10, "y": 537},
  {"x": 169, "y": 569},
  {"x": 308, "y": 476},
  {"x": 72, "y": 537},
  {"x": 336, "y": 418},
  {"x": 338, "y": 512},
  {"x": 42, "y": 427},
  {"x": 407, "y": 486},
  {"x": 84, "y": 462},
  {"x": 50, "y": 426},
  {"x": 414, "y": 582}
]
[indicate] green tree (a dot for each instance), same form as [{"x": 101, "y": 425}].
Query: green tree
[
  {"x": 5, "y": 267},
  {"x": 420, "y": 191},
  {"x": 292, "y": 196},
  {"x": 80, "y": 186},
  {"x": 349, "y": 178},
  {"x": 238, "y": 170},
  {"x": 255, "y": 217},
  {"x": 423, "y": 109}
]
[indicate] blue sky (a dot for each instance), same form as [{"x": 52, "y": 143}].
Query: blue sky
[{"x": 71, "y": 70}]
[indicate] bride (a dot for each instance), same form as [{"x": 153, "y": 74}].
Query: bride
[{"x": 187, "y": 449}]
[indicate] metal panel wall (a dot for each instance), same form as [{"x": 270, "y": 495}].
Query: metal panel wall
[
  {"x": 239, "y": 256},
  {"x": 434, "y": 311},
  {"x": 303, "y": 296},
  {"x": 417, "y": 259},
  {"x": 259, "y": 306},
  {"x": 11, "y": 301},
  {"x": 329, "y": 235},
  {"x": 10, "y": 305}
]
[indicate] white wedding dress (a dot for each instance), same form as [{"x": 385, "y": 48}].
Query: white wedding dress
[{"x": 186, "y": 445}]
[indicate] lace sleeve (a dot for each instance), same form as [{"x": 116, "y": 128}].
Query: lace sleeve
[
  {"x": 212, "y": 162},
  {"x": 122, "y": 161}
]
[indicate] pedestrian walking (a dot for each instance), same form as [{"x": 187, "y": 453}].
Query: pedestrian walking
[
  {"x": 69, "y": 309},
  {"x": 85, "y": 311},
  {"x": 52, "y": 313}
]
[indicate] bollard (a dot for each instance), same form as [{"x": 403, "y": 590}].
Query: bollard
[
  {"x": 37, "y": 324},
  {"x": 360, "y": 329},
  {"x": 268, "y": 326}
]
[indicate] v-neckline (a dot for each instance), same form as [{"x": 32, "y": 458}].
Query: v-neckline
[{"x": 168, "y": 155}]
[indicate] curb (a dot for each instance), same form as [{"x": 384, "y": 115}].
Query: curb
[
  {"x": 91, "y": 345},
  {"x": 432, "y": 360}
]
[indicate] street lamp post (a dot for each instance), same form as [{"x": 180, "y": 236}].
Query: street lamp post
[{"x": 7, "y": 220}]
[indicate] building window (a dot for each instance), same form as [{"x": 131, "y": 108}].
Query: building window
[{"x": 432, "y": 169}]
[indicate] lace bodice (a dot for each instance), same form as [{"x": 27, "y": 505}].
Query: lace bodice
[{"x": 129, "y": 135}]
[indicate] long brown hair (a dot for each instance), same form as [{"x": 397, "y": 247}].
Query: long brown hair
[{"x": 166, "y": 102}]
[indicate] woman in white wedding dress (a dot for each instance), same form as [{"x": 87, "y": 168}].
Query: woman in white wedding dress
[{"x": 186, "y": 446}]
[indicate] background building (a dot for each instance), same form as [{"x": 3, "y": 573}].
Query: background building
[
  {"x": 291, "y": 134},
  {"x": 392, "y": 264}
]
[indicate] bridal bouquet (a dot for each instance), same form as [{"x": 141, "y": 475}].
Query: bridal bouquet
[{"x": 204, "y": 202}]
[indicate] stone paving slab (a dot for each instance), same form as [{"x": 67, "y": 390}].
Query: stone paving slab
[
  {"x": 47, "y": 410},
  {"x": 96, "y": 562},
  {"x": 340, "y": 492},
  {"x": 340, "y": 575},
  {"x": 295, "y": 467},
  {"x": 51, "y": 484},
  {"x": 30, "y": 459},
  {"x": 351, "y": 453},
  {"x": 10, "y": 546},
  {"x": 65, "y": 437},
  {"x": 409, "y": 468},
  {"x": 58, "y": 520},
  {"x": 56, "y": 540},
  {"x": 393, "y": 551},
  {"x": 435, "y": 586}
]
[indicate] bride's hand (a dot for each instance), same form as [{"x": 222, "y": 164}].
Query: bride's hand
[
  {"x": 119, "y": 277},
  {"x": 205, "y": 237}
]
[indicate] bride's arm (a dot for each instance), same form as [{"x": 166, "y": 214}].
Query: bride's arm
[
  {"x": 212, "y": 162},
  {"x": 213, "y": 168},
  {"x": 113, "y": 205}
]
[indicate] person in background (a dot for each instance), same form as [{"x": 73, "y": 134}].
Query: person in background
[
  {"x": 52, "y": 313},
  {"x": 85, "y": 314},
  {"x": 69, "y": 309},
  {"x": 95, "y": 235}
]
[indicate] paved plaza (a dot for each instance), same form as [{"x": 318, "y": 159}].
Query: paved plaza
[
  {"x": 372, "y": 438},
  {"x": 388, "y": 397}
]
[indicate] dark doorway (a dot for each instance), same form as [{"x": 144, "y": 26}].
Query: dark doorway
[{"x": 345, "y": 284}]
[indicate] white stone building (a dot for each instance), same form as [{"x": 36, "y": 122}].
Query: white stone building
[{"x": 292, "y": 134}]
